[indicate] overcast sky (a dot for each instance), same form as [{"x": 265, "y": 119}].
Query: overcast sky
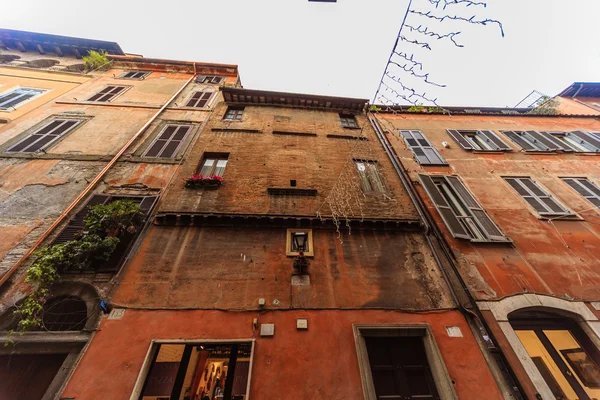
[{"x": 340, "y": 48}]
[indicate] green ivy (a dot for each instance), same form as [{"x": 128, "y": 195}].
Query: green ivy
[
  {"x": 94, "y": 60},
  {"x": 103, "y": 226}
]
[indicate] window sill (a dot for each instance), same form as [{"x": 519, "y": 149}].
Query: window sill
[
  {"x": 350, "y": 137},
  {"x": 490, "y": 151},
  {"x": 294, "y": 133},
  {"x": 351, "y": 127},
  {"x": 507, "y": 241},
  {"x": 291, "y": 192},
  {"x": 236, "y": 130}
]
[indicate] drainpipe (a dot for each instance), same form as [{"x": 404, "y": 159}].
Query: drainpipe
[
  {"x": 578, "y": 90},
  {"x": 90, "y": 186},
  {"x": 431, "y": 230}
]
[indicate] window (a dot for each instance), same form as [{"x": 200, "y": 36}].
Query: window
[
  {"x": 45, "y": 136},
  {"x": 76, "y": 225},
  {"x": 168, "y": 142},
  {"x": 586, "y": 188},
  {"x": 478, "y": 140},
  {"x": 401, "y": 362},
  {"x": 108, "y": 93},
  {"x": 64, "y": 313},
  {"x": 18, "y": 96},
  {"x": 215, "y": 80},
  {"x": 213, "y": 164},
  {"x": 348, "y": 121},
  {"x": 299, "y": 240},
  {"x": 199, "y": 99},
  {"x": 198, "y": 371},
  {"x": 422, "y": 148},
  {"x": 234, "y": 114},
  {"x": 134, "y": 75},
  {"x": 370, "y": 179},
  {"x": 541, "y": 201},
  {"x": 576, "y": 141},
  {"x": 462, "y": 214}
]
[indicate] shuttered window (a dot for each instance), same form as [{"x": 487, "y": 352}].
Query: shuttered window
[
  {"x": 538, "y": 198},
  {"x": 16, "y": 97},
  {"x": 215, "y": 80},
  {"x": 76, "y": 225},
  {"x": 213, "y": 164},
  {"x": 481, "y": 140},
  {"x": 168, "y": 142},
  {"x": 586, "y": 188},
  {"x": 199, "y": 99},
  {"x": 576, "y": 141},
  {"x": 424, "y": 152},
  {"x": 45, "y": 136},
  {"x": 462, "y": 214},
  {"x": 370, "y": 179},
  {"x": 134, "y": 75},
  {"x": 108, "y": 93}
]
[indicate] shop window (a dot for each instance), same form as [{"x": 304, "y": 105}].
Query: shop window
[
  {"x": 348, "y": 121},
  {"x": 76, "y": 226},
  {"x": 461, "y": 212},
  {"x": 198, "y": 371},
  {"x": 138, "y": 75},
  {"x": 168, "y": 142},
  {"x": 370, "y": 178},
  {"x": 45, "y": 136},
  {"x": 234, "y": 114},
  {"x": 299, "y": 241},
  {"x": 199, "y": 99},
  {"x": 108, "y": 94},
  {"x": 395, "y": 363},
  {"x": 478, "y": 140},
  {"x": 17, "y": 97},
  {"x": 564, "y": 356},
  {"x": 213, "y": 164}
]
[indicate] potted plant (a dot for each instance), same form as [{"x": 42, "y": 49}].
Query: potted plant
[{"x": 199, "y": 181}]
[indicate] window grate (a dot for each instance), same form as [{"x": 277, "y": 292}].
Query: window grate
[
  {"x": 423, "y": 150},
  {"x": 108, "y": 94},
  {"x": 45, "y": 136},
  {"x": 18, "y": 96},
  {"x": 199, "y": 99},
  {"x": 540, "y": 200},
  {"x": 168, "y": 142}
]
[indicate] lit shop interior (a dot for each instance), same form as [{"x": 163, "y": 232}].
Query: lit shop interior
[{"x": 198, "y": 372}]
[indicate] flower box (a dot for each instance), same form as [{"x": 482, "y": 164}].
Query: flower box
[{"x": 203, "y": 182}]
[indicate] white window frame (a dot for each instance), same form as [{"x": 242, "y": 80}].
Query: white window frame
[
  {"x": 12, "y": 108},
  {"x": 145, "y": 370}
]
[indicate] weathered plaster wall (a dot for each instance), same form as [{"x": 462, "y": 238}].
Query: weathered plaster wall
[
  {"x": 320, "y": 362},
  {"x": 558, "y": 258}
]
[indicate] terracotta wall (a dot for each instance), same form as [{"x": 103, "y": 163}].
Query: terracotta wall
[
  {"x": 318, "y": 363},
  {"x": 558, "y": 258}
]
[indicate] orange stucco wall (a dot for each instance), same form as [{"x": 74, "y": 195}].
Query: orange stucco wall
[{"x": 318, "y": 363}]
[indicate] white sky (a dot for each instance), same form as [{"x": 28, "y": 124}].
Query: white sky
[{"x": 340, "y": 48}]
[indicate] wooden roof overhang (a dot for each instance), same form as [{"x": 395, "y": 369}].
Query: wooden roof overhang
[
  {"x": 162, "y": 65},
  {"x": 296, "y": 100}
]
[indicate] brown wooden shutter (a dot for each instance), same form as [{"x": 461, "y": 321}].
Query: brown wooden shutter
[
  {"x": 453, "y": 224},
  {"x": 515, "y": 137},
  {"x": 485, "y": 222},
  {"x": 493, "y": 139},
  {"x": 460, "y": 139},
  {"x": 76, "y": 225},
  {"x": 586, "y": 137}
]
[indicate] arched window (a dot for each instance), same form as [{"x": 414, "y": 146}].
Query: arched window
[
  {"x": 564, "y": 355},
  {"x": 64, "y": 313}
]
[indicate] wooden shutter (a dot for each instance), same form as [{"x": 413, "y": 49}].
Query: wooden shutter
[
  {"x": 424, "y": 152},
  {"x": 168, "y": 141},
  {"x": 486, "y": 224},
  {"x": 545, "y": 139},
  {"x": 588, "y": 139},
  {"x": 44, "y": 136},
  {"x": 440, "y": 203},
  {"x": 585, "y": 188},
  {"x": 75, "y": 225},
  {"x": 460, "y": 139},
  {"x": 516, "y": 137},
  {"x": 491, "y": 138},
  {"x": 200, "y": 78},
  {"x": 541, "y": 201}
]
